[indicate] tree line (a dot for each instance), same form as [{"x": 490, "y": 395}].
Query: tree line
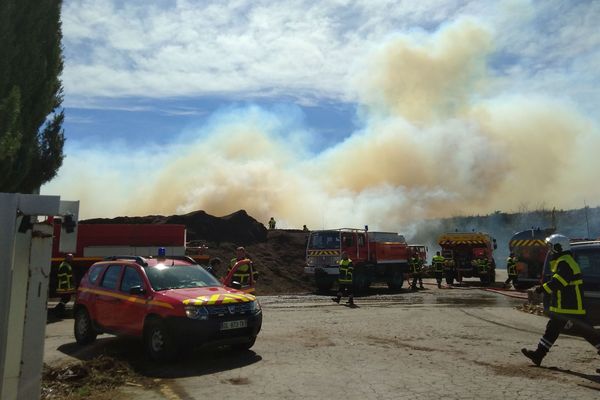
[{"x": 31, "y": 94}]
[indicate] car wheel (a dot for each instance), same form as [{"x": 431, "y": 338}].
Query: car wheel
[
  {"x": 159, "y": 342},
  {"x": 84, "y": 329},
  {"x": 244, "y": 346}
]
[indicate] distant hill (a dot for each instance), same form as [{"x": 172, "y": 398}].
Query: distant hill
[
  {"x": 278, "y": 255},
  {"x": 579, "y": 223}
]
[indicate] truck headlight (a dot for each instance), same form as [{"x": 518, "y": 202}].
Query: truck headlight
[
  {"x": 255, "y": 306},
  {"x": 196, "y": 312}
]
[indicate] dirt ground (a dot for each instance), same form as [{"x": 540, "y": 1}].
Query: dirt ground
[
  {"x": 278, "y": 255},
  {"x": 450, "y": 343}
]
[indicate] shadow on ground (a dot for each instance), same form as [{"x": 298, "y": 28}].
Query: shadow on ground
[{"x": 198, "y": 362}]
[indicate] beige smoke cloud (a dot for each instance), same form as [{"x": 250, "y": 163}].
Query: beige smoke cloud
[{"x": 436, "y": 142}]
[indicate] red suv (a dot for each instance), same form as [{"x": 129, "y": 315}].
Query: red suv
[{"x": 170, "y": 303}]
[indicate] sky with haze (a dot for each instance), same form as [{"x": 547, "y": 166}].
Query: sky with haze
[{"x": 331, "y": 113}]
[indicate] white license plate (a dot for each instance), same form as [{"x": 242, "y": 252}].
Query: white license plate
[{"x": 242, "y": 323}]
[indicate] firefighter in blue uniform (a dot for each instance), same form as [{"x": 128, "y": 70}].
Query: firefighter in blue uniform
[{"x": 566, "y": 300}]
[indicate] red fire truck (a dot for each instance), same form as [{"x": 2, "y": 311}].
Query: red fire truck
[
  {"x": 97, "y": 241},
  {"x": 460, "y": 249},
  {"x": 376, "y": 256}
]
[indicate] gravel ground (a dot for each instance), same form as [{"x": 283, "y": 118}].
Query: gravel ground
[{"x": 434, "y": 343}]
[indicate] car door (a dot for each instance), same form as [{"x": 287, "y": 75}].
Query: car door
[
  {"x": 132, "y": 310},
  {"x": 107, "y": 300},
  {"x": 588, "y": 258}
]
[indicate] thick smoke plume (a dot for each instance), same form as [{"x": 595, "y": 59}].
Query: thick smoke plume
[{"x": 438, "y": 139}]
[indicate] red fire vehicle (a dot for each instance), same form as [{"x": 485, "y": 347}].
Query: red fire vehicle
[
  {"x": 97, "y": 241},
  {"x": 376, "y": 256},
  {"x": 461, "y": 249},
  {"x": 530, "y": 249},
  {"x": 172, "y": 303}
]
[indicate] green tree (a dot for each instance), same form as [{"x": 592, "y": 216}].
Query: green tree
[{"x": 31, "y": 117}]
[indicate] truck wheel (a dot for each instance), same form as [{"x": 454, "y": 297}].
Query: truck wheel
[
  {"x": 324, "y": 285},
  {"x": 83, "y": 327},
  {"x": 160, "y": 344},
  {"x": 493, "y": 276},
  {"x": 396, "y": 281},
  {"x": 360, "y": 283},
  {"x": 244, "y": 346}
]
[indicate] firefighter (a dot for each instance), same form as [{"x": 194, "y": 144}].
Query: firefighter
[
  {"x": 272, "y": 224},
  {"x": 242, "y": 274},
  {"x": 345, "y": 280},
  {"x": 566, "y": 300},
  {"x": 449, "y": 270},
  {"x": 483, "y": 267},
  {"x": 511, "y": 269},
  {"x": 438, "y": 262},
  {"x": 416, "y": 269},
  {"x": 66, "y": 283},
  {"x": 214, "y": 265}
]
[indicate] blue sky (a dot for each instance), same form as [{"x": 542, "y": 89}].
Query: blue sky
[{"x": 329, "y": 113}]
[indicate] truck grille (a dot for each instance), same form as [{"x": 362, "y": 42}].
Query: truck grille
[
  {"x": 229, "y": 309},
  {"x": 323, "y": 261}
]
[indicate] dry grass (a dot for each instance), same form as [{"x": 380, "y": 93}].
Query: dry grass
[{"x": 98, "y": 378}]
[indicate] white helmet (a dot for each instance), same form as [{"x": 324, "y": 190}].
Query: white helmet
[{"x": 558, "y": 243}]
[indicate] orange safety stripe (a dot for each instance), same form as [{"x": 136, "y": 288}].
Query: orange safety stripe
[
  {"x": 133, "y": 299},
  {"x": 527, "y": 243},
  {"x": 323, "y": 252},
  {"x": 228, "y": 298},
  {"x": 464, "y": 242}
]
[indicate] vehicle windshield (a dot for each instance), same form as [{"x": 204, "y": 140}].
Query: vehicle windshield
[
  {"x": 179, "y": 277},
  {"x": 324, "y": 240}
]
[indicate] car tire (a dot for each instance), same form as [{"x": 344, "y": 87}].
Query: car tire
[
  {"x": 83, "y": 327},
  {"x": 396, "y": 280},
  {"x": 159, "y": 342},
  {"x": 245, "y": 345}
]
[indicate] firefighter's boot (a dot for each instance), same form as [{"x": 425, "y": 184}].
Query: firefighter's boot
[
  {"x": 535, "y": 356},
  {"x": 439, "y": 285},
  {"x": 338, "y": 298},
  {"x": 351, "y": 300}
]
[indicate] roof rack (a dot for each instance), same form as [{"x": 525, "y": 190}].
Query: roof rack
[
  {"x": 183, "y": 258},
  {"x": 137, "y": 259}
]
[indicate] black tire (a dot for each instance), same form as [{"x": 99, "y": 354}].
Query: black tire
[
  {"x": 493, "y": 276},
  {"x": 324, "y": 285},
  {"x": 83, "y": 327},
  {"x": 245, "y": 345},
  {"x": 159, "y": 342},
  {"x": 396, "y": 280},
  {"x": 360, "y": 284}
]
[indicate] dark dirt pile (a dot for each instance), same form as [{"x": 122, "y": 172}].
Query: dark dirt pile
[{"x": 278, "y": 254}]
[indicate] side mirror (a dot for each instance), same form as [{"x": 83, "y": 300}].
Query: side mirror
[
  {"x": 236, "y": 285},
  {"x": 137, "y": 290}
]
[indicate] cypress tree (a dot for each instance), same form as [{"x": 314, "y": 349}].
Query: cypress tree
[{"x": 31, "y": 117}]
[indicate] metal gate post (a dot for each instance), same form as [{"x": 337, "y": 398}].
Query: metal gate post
[
  {"x": 8, "y": 219},
  {"x": 22, "y": 290},
  {"x": 34, "y": 331}
]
